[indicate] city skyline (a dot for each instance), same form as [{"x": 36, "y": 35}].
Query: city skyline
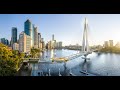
[{"x": 67, "y": 28}]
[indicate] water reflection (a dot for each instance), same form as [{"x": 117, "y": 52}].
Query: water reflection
[
  {"x": 101, "y": 64},
  {"x": 52, "y": 53},
  {"x": 84, "y": 65},
  {"x": 99, "y": 54}
]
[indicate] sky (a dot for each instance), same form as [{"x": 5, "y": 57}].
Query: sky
[{"x": 67, "y": 28}]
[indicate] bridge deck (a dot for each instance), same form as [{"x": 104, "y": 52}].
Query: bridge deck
[{"x": 70, "y": 57}]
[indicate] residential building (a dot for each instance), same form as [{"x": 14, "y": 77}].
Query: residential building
[
  {"x": 15, "y": 46},
  {"x": 24, "y": 43}
]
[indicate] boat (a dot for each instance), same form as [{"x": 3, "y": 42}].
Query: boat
[
  {"x": 59, "y": 59},
  {"x": 84, "y": 72}
]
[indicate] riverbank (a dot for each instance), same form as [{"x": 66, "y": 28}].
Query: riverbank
[
  {"x": 112, "y": 50},
  {"x": 24, "y": 71}
]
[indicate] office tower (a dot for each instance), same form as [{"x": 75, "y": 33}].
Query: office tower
[
  {"x": 50, "y": 45},
  {"x": 24, "y": 43},
  {"x": 14, "y": 36},
  {"x": 28, "y": 29},
  {"x": 53, "y": 37},
  {"x": 111, "y": 43},
  {"x": 15, "y": 46},
  {"x": 10, "y": 43},
  {"x": 39, "y": 40},
  {"x": 58, "y": 45},
  {"x": 4, "y": 41},
  {"x": 33, "y": 34},
  {"x": 7, "y": 42},
  {"x": 42, "y": 44},
  {"x": 53, "y": 42},
  {"x": 35, "y": 37},
  {"x": 28, "y": 46},
  {"x": 106, "y": 44}
]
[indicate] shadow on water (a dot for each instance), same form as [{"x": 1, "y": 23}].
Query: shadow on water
[
  {"x": 99, "y": 54},
  {"x": 84, "y": 65}
]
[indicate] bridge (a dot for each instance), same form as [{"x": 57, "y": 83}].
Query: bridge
[
  {"x": 70, "y": 57},
  {"x": 85, "y": 47},
  {"x": 84, "y": 52}
]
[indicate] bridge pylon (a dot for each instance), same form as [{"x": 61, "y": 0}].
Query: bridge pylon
[{"x": 85, "y": 44}]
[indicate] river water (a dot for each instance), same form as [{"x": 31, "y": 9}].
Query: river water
[{"x": 104, "y": 64}]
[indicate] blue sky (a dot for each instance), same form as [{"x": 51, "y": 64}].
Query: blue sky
[{"x": 67, "y": 28}]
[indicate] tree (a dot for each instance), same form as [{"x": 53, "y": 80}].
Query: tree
[
  {"x": 10, "y": 60},
  {"x": 35, "y": 52}
]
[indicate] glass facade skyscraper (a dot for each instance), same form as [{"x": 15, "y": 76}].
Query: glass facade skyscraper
[
  {"x": 36, "y": 37},
  {"x": 14, "y": 35},
  {"x": 28, "y": 27},
  {"x": 39, "y": 40},
  {"x": 4, "y": 41}
]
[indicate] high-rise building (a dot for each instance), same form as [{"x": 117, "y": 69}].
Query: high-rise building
[
  {"x": 106, "y": 44},
  {"x": 15, "y": 46},
  {"x": 14, "y": 36},
  {"x": 7, "y": 42},
  {"x": 4, "y": 41},
  {"x": 58, "y": 45},
  {"x": 28, "y": 29},
  {"x": 28, "y": 46},
  {"x": 111, "y": 43},
  {"x": 50, "y": 45},
  {"x": 42, "y": 44},
  {"x": 24, "y": 43},
  {"x": 39, "y": 40},
  {"x": 53, "y": 42},
  {"x": 35, "y": 37},
  {"x": 53, "y": 37}
]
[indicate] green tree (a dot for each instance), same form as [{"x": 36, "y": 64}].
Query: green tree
[
  {"x": 35, "y": 52},
  {"x": 10, "y": 60}
]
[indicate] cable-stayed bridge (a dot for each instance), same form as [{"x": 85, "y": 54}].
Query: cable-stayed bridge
[
  {"x": 84, "y": 52},
  {"x": 85, "y": 47}
]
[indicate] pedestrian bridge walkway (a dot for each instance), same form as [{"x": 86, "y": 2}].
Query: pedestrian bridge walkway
[{"x": 67, "y": 58}]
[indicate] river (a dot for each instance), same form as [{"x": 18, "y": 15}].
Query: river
[{"x": 104, "y": 64}]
